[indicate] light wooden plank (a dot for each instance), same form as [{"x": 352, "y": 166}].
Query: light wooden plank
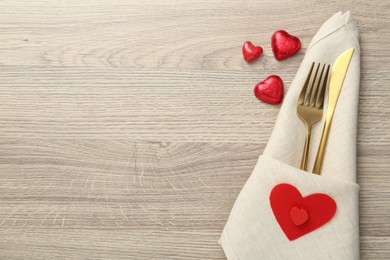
[{"x": 158, "y": 104}]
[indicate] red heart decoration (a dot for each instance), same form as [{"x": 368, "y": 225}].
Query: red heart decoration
[
  {"x": 250, "y": 51},
  {"x": 284, "y": 45},
  {"x": 270, "y": 90},
  {"x": 299, "y": 215}
]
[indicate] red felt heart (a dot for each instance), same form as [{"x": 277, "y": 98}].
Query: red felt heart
[
  {"x": 270, "y": 90},
  {"x": 284, "y": 45},
  {"x": 250, "y": 51},
  {"x": 299, "y": 215}
]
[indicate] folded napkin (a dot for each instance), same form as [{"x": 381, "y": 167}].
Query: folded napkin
[{"x": 284, "y": 212}]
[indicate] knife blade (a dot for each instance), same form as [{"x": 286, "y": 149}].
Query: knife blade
[{"x": 337, "y": 76}]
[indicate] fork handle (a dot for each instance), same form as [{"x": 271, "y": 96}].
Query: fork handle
[
  {"x": 306, "y": 148},
  {"x": 321, "y": 148}
]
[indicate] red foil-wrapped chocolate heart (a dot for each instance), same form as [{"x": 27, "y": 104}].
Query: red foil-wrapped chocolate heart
[
  {"x": 284, "y": 45},
  {"x": 270, "y": 90},
  {"x": 250, "y": 51}
]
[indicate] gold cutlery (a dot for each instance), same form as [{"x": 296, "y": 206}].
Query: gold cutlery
[
  {"x": 337, "y": 75},
  {"x": 310, "y": 102}
]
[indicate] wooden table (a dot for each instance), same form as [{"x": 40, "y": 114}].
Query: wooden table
[{"x": 129, "y": 127}]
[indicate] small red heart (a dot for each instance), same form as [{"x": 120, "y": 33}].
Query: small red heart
[
  {"x": 270, "y": 90},
  {"x": 284, "y": 45},
  {"x": 250, "y": 51},
  {"x": 297, "y": 215}
]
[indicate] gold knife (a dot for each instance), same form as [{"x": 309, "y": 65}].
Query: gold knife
[{"x": 337, "y": 75}]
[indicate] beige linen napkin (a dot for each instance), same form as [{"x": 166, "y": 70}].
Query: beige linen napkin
[{"x": 252, "y": 231}]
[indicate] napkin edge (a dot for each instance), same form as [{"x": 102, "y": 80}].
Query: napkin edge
[
  {"x": 333, "y": 24},
  {"x": 227, "y": 249}
]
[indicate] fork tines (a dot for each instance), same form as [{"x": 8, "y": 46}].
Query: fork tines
[{"x": 313, "y": 91}]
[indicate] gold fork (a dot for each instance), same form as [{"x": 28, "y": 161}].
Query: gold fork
[{"x": 310, "y": 102}]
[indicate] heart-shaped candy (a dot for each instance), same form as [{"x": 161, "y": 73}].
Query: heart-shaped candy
[
  {"x": 270, "y": 90},
  {"x": 284, "y": 45},
  {"x": 250, "y": 51},
  {"x": 299, "y": 215}
]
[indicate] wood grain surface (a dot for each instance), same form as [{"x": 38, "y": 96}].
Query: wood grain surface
[{"x": 127, "y": 128}]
